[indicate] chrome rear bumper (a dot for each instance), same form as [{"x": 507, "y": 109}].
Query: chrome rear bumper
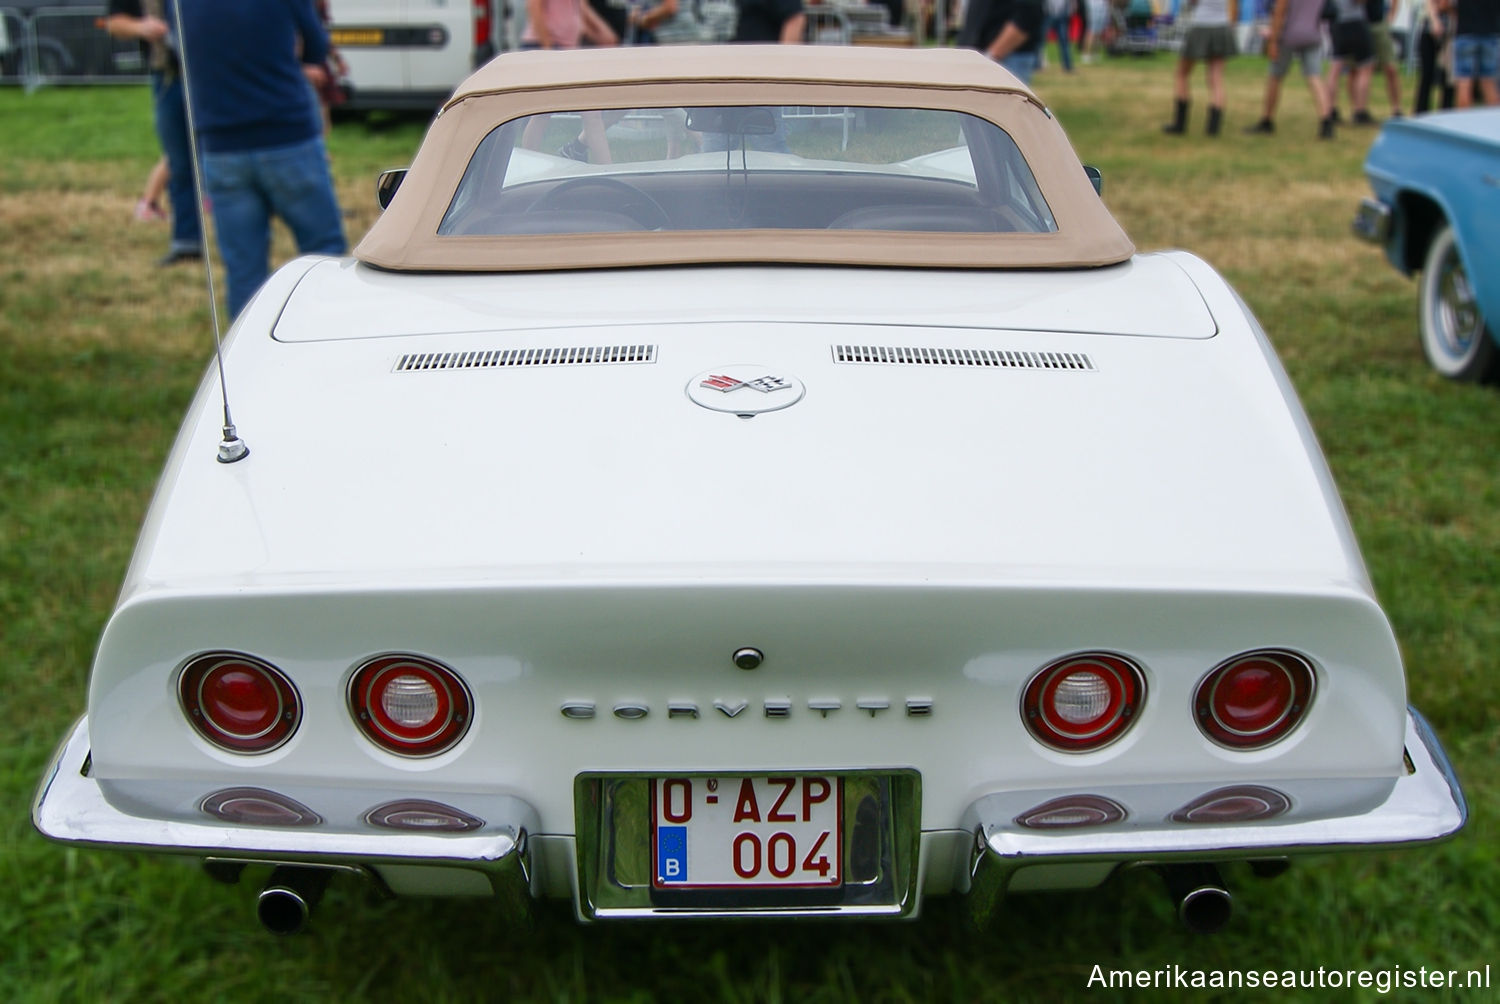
[
  {"x": 1423, "y": 805},
  {"x": 71, "y": 806}
]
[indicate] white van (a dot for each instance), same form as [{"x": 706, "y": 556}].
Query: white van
[{"x": 410, "y": 54}]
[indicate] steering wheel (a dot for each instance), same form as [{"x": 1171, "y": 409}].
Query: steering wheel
[{"x": 635, "y": 203}]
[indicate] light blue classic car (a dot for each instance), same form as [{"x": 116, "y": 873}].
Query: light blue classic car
[{"x": 1437, "y": 210}]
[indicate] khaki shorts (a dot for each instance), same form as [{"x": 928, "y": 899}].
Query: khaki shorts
[
  {"x": 1209, "y": 42},
  {"x": 1310, "y": 56},
  {"x": 1385, "y": 48}
]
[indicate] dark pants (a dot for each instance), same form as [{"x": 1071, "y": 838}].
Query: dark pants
[
  {"x": 1430, "y": 75},
  {"x": 170, "y": 116}
]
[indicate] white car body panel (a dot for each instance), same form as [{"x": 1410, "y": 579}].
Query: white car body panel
[{"x": 1227, "y": 520}]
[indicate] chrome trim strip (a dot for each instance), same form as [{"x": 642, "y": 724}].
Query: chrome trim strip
[{"x": 70, "y": 807}]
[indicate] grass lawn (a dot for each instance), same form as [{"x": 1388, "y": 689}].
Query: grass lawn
[{"x": 100, "y": 351}]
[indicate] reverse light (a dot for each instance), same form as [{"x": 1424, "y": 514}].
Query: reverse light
[
  {"x": 238, "y": 702},
  {"x": 1255, "y": 699},
  {"x": 1072, "y": 811},
  {"x": 410, "y": 705},
  {"x": 258, "y": 807},
  {"x": 1238, "y": 804},
  {"x": 423, "y": 816},
  {"x": 1083, "y": 702}
]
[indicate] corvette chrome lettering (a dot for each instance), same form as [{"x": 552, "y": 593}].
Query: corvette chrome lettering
[{"x": 773, "y": 707}]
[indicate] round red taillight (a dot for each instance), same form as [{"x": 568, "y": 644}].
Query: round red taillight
[
  {"x": 239, "y": 703},
  {"x": 410, "y": 705},
  {"x": 1255, "y": 699},
  {"x": 1083, "y": 702}
]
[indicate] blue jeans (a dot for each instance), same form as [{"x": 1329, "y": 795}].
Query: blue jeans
[
  {"x": 1476, "y": 56},
  {"x": 775, "y": 142},
  {"x": 1064, "y": 47},
  {"x": 1022, "y": 64},
  {"x": 170, "y": 116},
  {"x": 248, "y": 187}
]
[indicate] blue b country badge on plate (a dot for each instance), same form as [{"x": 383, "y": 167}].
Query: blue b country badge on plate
[{"x": 671, "y": 854}]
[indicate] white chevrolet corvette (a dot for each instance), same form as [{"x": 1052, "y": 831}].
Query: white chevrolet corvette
[{"x": 747, "y": 481}]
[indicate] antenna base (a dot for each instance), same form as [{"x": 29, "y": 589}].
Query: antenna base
[{"x": 231, "y": 449}]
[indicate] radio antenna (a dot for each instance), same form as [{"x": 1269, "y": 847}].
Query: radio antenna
[{"x": 231, "y": 447}]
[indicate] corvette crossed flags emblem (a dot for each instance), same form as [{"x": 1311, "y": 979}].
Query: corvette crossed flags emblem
[{"x": 765, "y": 384}]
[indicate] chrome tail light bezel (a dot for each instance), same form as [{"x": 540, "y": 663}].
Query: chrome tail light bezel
[
  {"x": 1301, "y": 681},
  {"x": 454, "y": 698},
  {"x": 1128, "y": 697},
  {"x": 195, "y": 676}
]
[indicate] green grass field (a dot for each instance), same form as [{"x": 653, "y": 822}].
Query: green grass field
[{"x": 100, "y": 350}]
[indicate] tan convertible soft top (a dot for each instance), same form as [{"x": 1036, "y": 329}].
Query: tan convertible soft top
[{"x": 405, "y": 237}]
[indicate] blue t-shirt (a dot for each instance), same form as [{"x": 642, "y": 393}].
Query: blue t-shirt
[{"x": 244, "y": 65}]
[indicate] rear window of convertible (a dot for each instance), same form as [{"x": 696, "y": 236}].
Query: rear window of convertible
[{"x": 747, "y": 168}]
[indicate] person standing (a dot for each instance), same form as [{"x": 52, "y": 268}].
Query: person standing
[
  {"x": 1059, "y": 18},
  {"x": 1210, "y": 40},
  {"x": 260, "y": 130},
  {"x": 1095, "y": 28},
  {"x": 332, "y": 91},
  {"x": 1294, "y": 35},
  {"x": 567, "y": 24},
  {"x": 784, "y": 23},
  {"x": 564, "y": 24},
  {"x": 1379, "y": 14},
  {"x": 1354, "y": 50},
  {"x": 1431, "y": 71},
  {"x": 145, "y": 22},
  {"x": 771, "y": 21},
  {"x": 1008, "y": 31},
  {"x": 1476, "y": 51}
]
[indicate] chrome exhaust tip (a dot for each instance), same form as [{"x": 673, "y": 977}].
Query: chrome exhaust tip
[
  {"x": 1203, "y": 903},
  {"x": 286, "y": 903}
]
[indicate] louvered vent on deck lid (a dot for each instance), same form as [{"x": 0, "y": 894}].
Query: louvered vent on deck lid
[
  {"x": 509, "y": 358},
  {"x": 992, "y": 358}
]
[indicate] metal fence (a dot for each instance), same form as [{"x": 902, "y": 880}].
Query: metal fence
[{"x": 64, "y": 44}]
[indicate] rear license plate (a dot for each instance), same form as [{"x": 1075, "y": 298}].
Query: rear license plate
[{"x": 747, "y": 832}]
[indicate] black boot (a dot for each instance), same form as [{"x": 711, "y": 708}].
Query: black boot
[
  {"x": 1215, "y": 120},
  {"x": 1178, "y": 125},
  {"x": 1325, "y": 128}
]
